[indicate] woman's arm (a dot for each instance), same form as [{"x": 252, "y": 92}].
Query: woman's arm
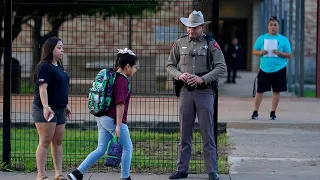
[
  {"x": 285, "y": 55},
  {"x": 44, "y": 100},
  {"x": 259, "y": 53},
  {"x": 282, "y": 54}
]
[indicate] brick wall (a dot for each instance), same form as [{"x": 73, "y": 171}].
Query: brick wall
[
  {"x": 310, "y": 28},
  {"x": 256, "y": 31}
]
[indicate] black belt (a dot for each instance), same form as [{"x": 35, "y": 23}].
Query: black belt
[{"x": 198, "y": 86}]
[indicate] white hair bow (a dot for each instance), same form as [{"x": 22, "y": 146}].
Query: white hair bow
[{"x": 125, "y": 51}]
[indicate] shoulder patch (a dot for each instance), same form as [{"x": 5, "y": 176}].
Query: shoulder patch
[
  {"x": 216, "y": 45},
  {"x": 173, "y": 45}
]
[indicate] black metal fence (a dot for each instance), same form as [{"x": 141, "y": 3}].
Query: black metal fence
[{"x": 91, "y": 31}]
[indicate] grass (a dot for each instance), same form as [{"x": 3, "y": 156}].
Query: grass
[
  {"x": 26, "y": 87},
  {"x": 153, "y": 152},
  {"x": 307, "y": 92}
]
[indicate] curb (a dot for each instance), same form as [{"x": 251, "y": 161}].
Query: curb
[{"x": 268, "y": 125}]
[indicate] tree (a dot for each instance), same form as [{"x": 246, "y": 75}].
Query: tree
[{"x": 58, "y": 11}]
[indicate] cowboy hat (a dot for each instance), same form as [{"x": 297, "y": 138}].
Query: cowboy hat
[{"x": 195, "y": 19}]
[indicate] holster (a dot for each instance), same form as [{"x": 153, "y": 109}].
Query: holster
[{"x": 177, "y": 86}]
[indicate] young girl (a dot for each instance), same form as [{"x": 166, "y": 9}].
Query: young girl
[
  {"x": 50, "y": 106},
  {"x": 115, "y": 121}
]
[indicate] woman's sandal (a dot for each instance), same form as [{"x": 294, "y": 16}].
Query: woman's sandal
[
  {"x": 60, "y": 177},
  {"x": 44, "y": 178}
]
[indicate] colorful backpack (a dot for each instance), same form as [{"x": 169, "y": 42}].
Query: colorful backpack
[{"x": 100, "y": 93}]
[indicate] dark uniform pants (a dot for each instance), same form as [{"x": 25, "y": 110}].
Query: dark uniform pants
[{"x": 200, "y": 103}]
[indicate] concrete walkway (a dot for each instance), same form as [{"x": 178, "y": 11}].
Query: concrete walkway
[
  {"x": 104, "y": 176},
  {"x": 275, "y": 153},
  {"x": 285, "y": 149}
]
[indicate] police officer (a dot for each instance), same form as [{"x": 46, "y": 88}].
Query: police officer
[{"x": 188, "y": 63}]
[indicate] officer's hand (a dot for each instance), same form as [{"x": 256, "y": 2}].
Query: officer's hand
[
  {"x": 184, "y": 77},
  {"x": 194, "y": 80}
]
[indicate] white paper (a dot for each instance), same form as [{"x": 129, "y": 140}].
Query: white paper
[{"x": 270, "y": 45}]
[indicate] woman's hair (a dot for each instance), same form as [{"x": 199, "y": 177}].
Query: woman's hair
[
  {"x": 124, "y": 59},
  {"x": 48, "y": 47},
  {"x": 273, "y": 18},
  {"x": 47, "y": 53}
]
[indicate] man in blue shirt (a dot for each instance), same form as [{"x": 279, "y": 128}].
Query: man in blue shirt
[{"x": 273, "y": 64}]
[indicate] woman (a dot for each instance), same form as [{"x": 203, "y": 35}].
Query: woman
[
  {"x": 50, "y": 106},
  {"x": 273, "y": 64}
]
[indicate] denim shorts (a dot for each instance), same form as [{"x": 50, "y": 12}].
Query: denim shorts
[{"x": 59, "y": 115}]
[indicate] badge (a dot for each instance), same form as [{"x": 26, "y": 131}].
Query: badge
[{"x": 205, "y": 47}]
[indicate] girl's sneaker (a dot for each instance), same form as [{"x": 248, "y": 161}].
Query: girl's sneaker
[{"x": 75, "y": 175}]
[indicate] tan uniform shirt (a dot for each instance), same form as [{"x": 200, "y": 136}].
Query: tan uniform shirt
[{"x": 192, "y": 57}]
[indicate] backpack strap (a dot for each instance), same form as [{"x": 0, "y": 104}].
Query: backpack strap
[{"x": 209, "y": 38}]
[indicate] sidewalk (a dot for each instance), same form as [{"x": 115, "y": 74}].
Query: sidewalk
[
  {"x": 291, "y": 111},
  {"x": 104, "y": 176},
  {"x": 274, "y": 153},
  {"x": 285, "y": 149}
]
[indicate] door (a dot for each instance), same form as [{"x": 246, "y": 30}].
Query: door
[{"x": 233, "y": 27}]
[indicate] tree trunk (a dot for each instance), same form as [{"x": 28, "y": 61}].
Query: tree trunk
[
  {"x": 1, "y": 52},
  {"x": 16, "y": 29},
  {"x": 36, "y": 52},
  {"x": 40, "y": 40}
]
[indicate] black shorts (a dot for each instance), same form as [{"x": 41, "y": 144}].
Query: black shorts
[
  {"x": 59, "y": 115},
  {"x": 276, "y": 80}
]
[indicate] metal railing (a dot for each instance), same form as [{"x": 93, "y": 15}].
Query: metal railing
[{"x": 91, "y": 32}]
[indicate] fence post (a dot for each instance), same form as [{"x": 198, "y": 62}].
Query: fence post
[
  {"x": 301, "y": 79},
  {"x": 215, "y": 32},
  {"x": 297, "y": 47},
  {"x": 318, "y": 52},
  {"x": 7, "y": 82}
]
